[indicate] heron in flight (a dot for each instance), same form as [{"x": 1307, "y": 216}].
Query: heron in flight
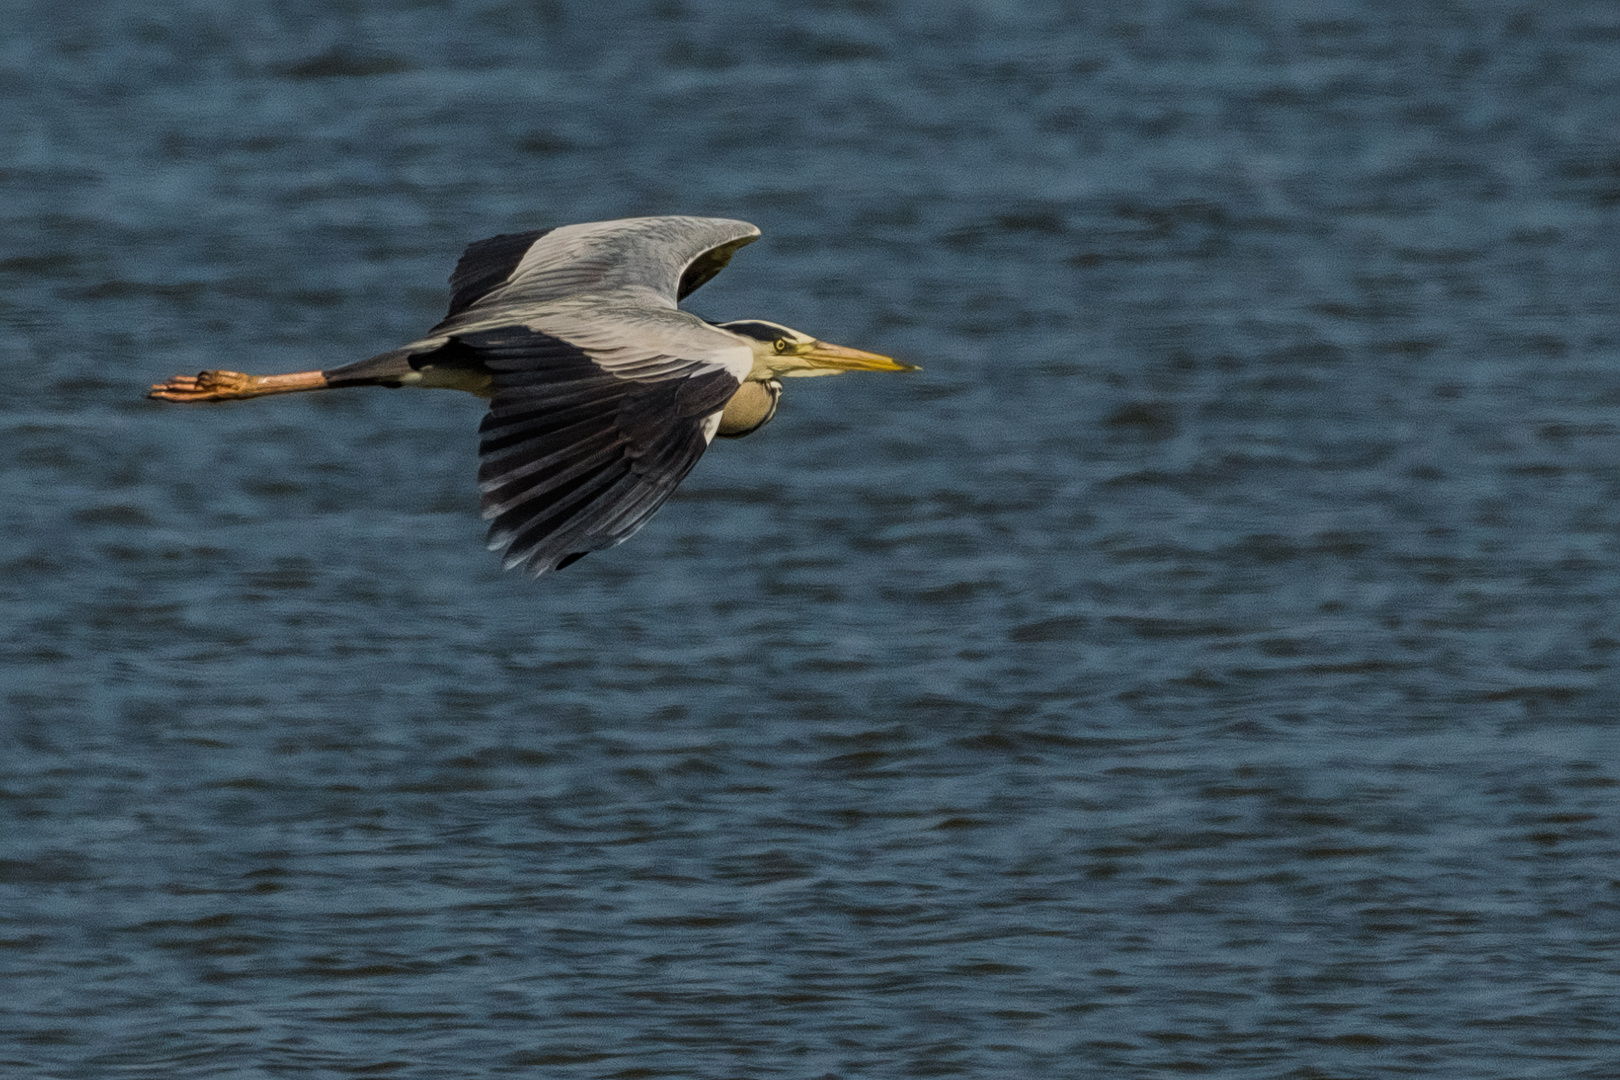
[{"x": 602, "y": 393}]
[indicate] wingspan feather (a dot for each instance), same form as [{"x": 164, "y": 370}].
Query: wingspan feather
[
  {"x": 659, "y": 259},
  {"x": 575, "y": 455},
  {"x": 486, "y": 265}
]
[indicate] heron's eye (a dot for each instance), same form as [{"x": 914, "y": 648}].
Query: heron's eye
[{"x": 783, "y": 345}]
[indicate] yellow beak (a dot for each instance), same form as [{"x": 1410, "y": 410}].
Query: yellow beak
[{"x": 822, "y": 354}]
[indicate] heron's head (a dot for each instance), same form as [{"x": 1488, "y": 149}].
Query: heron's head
[{"x": 780, "y": 352}]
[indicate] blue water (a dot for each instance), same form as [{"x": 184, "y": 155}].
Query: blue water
[{"x": 1209, "y": 664}]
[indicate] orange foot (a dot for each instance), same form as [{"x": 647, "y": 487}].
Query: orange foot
[{"x": 225, "y": 385}]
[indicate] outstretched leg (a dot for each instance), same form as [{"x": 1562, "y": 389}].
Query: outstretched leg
[{"x": 224, "y": 385}]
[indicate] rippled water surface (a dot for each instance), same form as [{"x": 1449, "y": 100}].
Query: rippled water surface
[{"x": 1207, "y": 665}]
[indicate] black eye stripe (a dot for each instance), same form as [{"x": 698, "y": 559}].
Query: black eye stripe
[{"x": 759, "y": 331}]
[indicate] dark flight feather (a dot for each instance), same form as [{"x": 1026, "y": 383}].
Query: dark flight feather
[
  {"x": 574, "y": 457},
  {"x": 485, "y": 266},
  {"x": 708, "y": 264}
]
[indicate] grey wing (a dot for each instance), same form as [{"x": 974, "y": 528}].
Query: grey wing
[
  {"x": 576, "y": 458},
  {"x": 661, "y": 258}
]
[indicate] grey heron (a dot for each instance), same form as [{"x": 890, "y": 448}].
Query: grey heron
[{"x": 602, "y": 393}]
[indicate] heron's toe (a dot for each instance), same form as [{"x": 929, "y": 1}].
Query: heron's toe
[
  {"x": 223, "y": 382},
  {"x": 203, "y": 386}
]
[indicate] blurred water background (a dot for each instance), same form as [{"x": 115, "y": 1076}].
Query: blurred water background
[{"x": 1207, "y": 665}]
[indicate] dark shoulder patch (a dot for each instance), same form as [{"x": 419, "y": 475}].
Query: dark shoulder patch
[
  {"x": 485, "y": 265},
  {"x": 708, "y": 264}
]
